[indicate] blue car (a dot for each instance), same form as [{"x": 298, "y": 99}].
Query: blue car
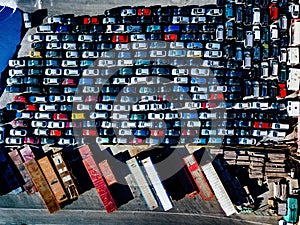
[
  {"x": 180, "y": 89},
  {"x": 62, "y": 29},
  {"x": 194, "y": 45},
  {"x": 198, "y": 80},
  {"x": 172, "y": 29},
  {"x": 86, "y": 81},
  {"x": 14, "y": 89},
  {"x": 229, "y": 11},
  {"x": 141, "y": 133}
]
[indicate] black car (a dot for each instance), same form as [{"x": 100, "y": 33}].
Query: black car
[
  {"x": 104, "y": 46},
  {"x": 274, "y": 50},
  {"x": 264, "y": 17},
  {"x": 96, "y": 29},
  {"x": 228, "y": 49},
  {"x": 265, "y": 35},
  {"x": 283, "y": 73},
  {"x": 182, "y": 11},
  {"x": 256, "y": 52},
  {"x": 215, "y": 19},
  {"x": 248, "y": 16},
  {"x": 86, "y": 46},
  {"x": 208, "y": 28},
  {"x": 239, "y": 13},
  {"x": 128, "y": 19},
  {"x": 191, "y": 28},
  {"x": 284, "y": 40},
  {"x": 69, "y": 38},
  {"x": 239, "y": 33},
  {"x": 144, "y": 20}
]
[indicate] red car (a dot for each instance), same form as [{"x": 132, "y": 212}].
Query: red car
[
  {"x": 20, "y": 98},
  {"x": 216, "y": 96},
  {"x": 31, "y": 107},
  {"x": 157, "y": 133},
  {"x": 144, "y": 12},
  {"x": 189, "y": 132},
  {"x": 56, "y": 133},
  {"x": 88, "y": 132},
  {"x": 31, "y": 140},
  {"x": 90, "y": 20},
  {"x": 171, "y": 37},
  {"x": 19, "y": 123},
  {"x": 60, "y": 116},
  {"x": 264, "y": 125},
  {"x": 282, "y": 90},
  {"x": 69, "y": 81},
  {"x": 274, "y": 12},
  {"x": 90, "y": 98},
  {"x": 120, "y": 38}
]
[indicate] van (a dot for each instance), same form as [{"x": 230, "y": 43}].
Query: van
[
  {"x": 256, "y": 16},
  {"x": 249, "y": 39},
  {"x": 293, "y": 56}
]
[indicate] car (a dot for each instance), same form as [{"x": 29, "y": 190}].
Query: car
[
  {"x": 98, "y": 115},
  {"x": 85, "y": 38},
  {"x": 274, "y": 12},
  {"x": 50, "y": 107},
  {"x": 39, "y": 123},
  {"x": 17, "y": 63},
  {"x": 66, "y": 141},
  {"x": 274, "y": 32},
  {"x": 14, "y": 141},
  {"x": 212, "y": 54},
  {"x": 228, "y": 11},
  {"x": 61, "y": 116},
  {"x": 53, "y": 71},
  {"x": 220, "y": 33},
  {"x": 46, "y": 28}
]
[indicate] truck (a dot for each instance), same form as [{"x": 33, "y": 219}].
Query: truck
[
  {"x": 65, "y": 176},
  {"x": 142, "y": 183},
  {"x": 97, "y": 179},
  {"x": 292, "y": 210},
  {"x": 107, "y": 173},
  {"x": 218, "y": 188},
  {"x": 27, "y": 153},
  {"x": 157, "y": 185},
  {"x": 199, "y": 178},
  {"x": 42, "y": 186},
  {"x": 28, "y": 185},
  {"x": 52, "y": 179}
]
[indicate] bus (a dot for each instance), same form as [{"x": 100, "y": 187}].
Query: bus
[
  {"x": 142, "y": 183},
  {"x": 157, "y": 185}
]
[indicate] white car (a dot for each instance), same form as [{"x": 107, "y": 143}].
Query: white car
[
  {"x": 247, "y": 141},
  {"x": 35, "y": 38},
  {"x": 123, "y": 46},
  {"x": 201, "y": 72},
  {"x": 197, "y": 97},
  {"x": 44, "y": 107},
  {"x": 276, "y": 134},
  {"x": 212, "y": 54},
  {"x": 126, "y": 124},
  {"x": 176, "y": 44},
  {"x": 38, "y": 99},
  {"x": 198, "y": 11},
  {"x": 52, "y": 37},
  {"x": 142, "y": 71},
  {"x": 140, "y": 107},
  {"x": 53, "y": 45},
  {"x": 101, "y": 106},
  {"x": 16, "y": 63},
  {"x": 90, "y": 72},
  {"x": 274, "y": 33},
  {"x": 74, "y": 99},
  {"x": 84, "y": 107},
  {"x": 140, "y": 45},
  {"x": 205, "y": 115},
  {"x": 14, "y": 140},
  {"x": 213, "y": 46},
  {"x": 180, "y": 19},
  {"x": 98, "y": 115},
  {"x": 181, "y": 80},
  {"x": 125, "y": 132},
  {"x": 158, "y": 53},
  {"x": 107, "y": 62},
  {"x": 57, "y": 98},
  {"x": 72, "y": 54},
  {"x": 180, "y": 71},
  {"x": 71, "y": 72},
  {"x": 128, "y": 12},
  {"x": 66, "y": 141},
  {"x": 143, "y": 124},
  {"x": 109, "y": 20},
  {"x": 85, "y": 37},
  {"x": 40, "y": 116},
  {"x": 91, "y": 89},
  {"x": 56, "y": 124},
  {"x": 69, "y": 63},
  {"x": 122, "y": 108},
  {"x": 18, "y": 132},
  {"x": 259, "y": 133},
  {"x": 70, "y": 46},
  {"x": 120, "y": 140},
  {"x": 41, "y": 132},
  {"x": 194, "y": 53},
  {"x": 193, "y": 123},
  {"x": 208, "y": 132},
  {"x": 53, "y": 71},
  {"x": 90, "y": 54},
  {"x": 171, "y": 116},
  {"x": 198, "y": 89},
  {"x": 280, "y": 126},
  {"x": 51, "y": 81},
  {"x": 159, "y": 116},
  {"x": 137, "y": 37},
  {"x": 102, "y": 140},
  {"x": 39, "y": 123},
  {"x": 256, "y": 33}
]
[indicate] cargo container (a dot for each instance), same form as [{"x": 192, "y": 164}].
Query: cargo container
[
  {"x": 65, "y": 176},
  {"x": 28, "y": 184},
  {"x": 52, "y": 179},
  {"x": 199, "y": 178},
  {"x": 97, "y": 179},
  {"x": 107, "y": 173},
  {"x": 42, "y": 186},
  {"x": 218, "y": 188},
  {"x": 27, "y": 153},
  {"x": 157, "y": 185},
  {"x": 142, "y": 183}
]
